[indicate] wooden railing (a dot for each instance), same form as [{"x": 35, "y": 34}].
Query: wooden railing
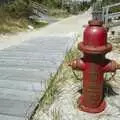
[
  {"x": 106, "y": 15},
  {"x": 39, "y": 9}
]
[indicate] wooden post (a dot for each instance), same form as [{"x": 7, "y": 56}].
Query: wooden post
[
  {"x": 103, "y": 14},
  {"x": 107, "y": 16},
  {"x": 62, "y": 2}
]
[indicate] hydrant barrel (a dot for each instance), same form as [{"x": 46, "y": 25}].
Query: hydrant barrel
[{"x": 93, "y": 82}]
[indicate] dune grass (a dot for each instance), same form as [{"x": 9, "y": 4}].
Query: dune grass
[{"x": 14, "y": 17}]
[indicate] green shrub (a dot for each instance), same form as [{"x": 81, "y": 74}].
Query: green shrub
[
  {"x": 14, "y": 16},
  {"x": 50, "y": 3},
  {"x": 115, "y": 9},
  {"x": 58, "y": 13},
  {"x": 19, "y": 8}
]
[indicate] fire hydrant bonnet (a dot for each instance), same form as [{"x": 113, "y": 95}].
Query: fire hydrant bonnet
[{"x": 95, "y": 39}]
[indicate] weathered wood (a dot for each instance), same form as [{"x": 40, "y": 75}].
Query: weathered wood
[
  {"x": 19, "y": 74},
  {"x": 24, "y": 85},
  {"x": 38, "y": 9},
  {"x": 8, "y": 117},
  {"x": 22, "y": 95},
  {"x": 106, "y": 15},
  {"x": 113, "y": 15},
  {"x": 15, "y": 107},
  {"x": 24, "y": 71}
]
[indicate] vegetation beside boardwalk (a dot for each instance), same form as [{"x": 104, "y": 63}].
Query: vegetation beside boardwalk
[
  {"x": 14, "y": 16},
  {"x": 109, "y": 2}
]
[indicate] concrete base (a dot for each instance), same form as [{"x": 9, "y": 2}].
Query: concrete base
[{"x": 91, "y": 110}]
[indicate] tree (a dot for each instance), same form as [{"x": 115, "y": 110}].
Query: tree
[
  {"x": 50, "y": 3},
  {"x": 107, "y": 2}
]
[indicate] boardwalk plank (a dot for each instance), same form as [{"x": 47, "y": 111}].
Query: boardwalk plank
[
  {"x": 16, "y": 107},
  {"x": 6, "y": 117},
  {"x": 14, "y": 94},
  {"x": 19, "y": 74},
  {"x": 24, "y": 71},
  {"x": 27, "y": 63},
  {"x": 23, "y": 85}
]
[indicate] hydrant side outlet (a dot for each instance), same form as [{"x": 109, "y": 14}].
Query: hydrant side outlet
[
  {"x": 93, "y": 81},
  {"x": 94, "y": 65}
]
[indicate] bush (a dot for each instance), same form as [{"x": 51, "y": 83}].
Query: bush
[
  {"x": 19, "y": 8},
  {"x": 58, "y": 13},
  {"x": 50, "y": 3},
  {"x": 14, "y": 16},
  {"x": 115, "y": 9}
]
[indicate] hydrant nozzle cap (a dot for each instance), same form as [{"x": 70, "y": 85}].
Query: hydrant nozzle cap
[{"x": 95, "y": 23}]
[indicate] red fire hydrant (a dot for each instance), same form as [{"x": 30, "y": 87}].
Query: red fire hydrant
[{"x": 94, "y": 65}]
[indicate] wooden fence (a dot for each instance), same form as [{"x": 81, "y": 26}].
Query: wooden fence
[
  {"x": 106, "y": 15},
  {"x": 103, "y": 13}
]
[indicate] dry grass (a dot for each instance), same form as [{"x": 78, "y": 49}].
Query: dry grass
[
  {"x": 14, "y": 17},
  {"x": 58, "y": 86},
  {"x": 59, "y": 13},
  {"x": 12, "y": 25}
]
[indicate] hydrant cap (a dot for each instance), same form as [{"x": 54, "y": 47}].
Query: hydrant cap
[{"x": 95, "y": 23}]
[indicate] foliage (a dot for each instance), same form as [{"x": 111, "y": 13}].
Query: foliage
[
  {"x": 50, "y": 3},
  {"x": 108, "y": 2},
  {"x": 18, "y": 8},
  {"x": 73, "y": 7},
  {"x": 115, "y": 9},
  {"x": 93, "y": 1},
  {"x": 58, "y": 13},
  {"x": 97, "y": 5},
  {"x": 14, "y": 16},
  {"x": 51, "y": 91}
]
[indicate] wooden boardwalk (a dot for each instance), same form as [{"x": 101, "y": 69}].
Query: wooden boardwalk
[{"x": 24, "y": 70}]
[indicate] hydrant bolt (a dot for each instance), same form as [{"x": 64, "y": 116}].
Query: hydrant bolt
[{"x": 94, "y": 65}]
